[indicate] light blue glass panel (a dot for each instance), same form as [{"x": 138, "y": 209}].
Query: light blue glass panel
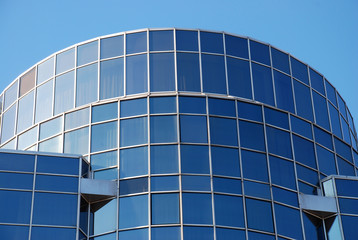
[
  {"x": 138, "y": 234},
  {"x": 161, "y": 40},
  {"x": 211, "y": 42},
  {"x": 194, "y": 159},
  {"x": 104, "y": 136},
  {"x": 111, "y": 78},
  {"x": 193, "y": 129},
  {"x": 25, "y": 112},
  {"x": 239, "y": 79},
  {"x": 188, "y": 72},
  {"x": 109, "y": 174},
  {"x": 335, "y": 124},
  {"x": 345, "y": 130},
  {"x": 133, "y": 131},
  {"x": 195, "y": 183},
  {"x": 77, "y": 141},
  {"x": 321, "y": 112},
  {"x": 136, "y": 42},
  {"x": 86, "y": 84},
  {"x": 45, "y": 70},
  {"x": 14, "y": 232},
  {"x": 163, "y": 129},
  {"x": 104, "y": 160},
  {"x": 223, "y": 131},
  {"x": 44, "y": 101},
  {"x": 112, "y": 46},
  {"x": 8, "y": 126},
  {"x": 50, "y": 128},
  {"x": 16, "y": 208},
  {"x": 104, "y": 112},
  {"x": 133, "y": 162},
  {"x": 77, "y": 118},
  {"x": 162, "y": 233},
  {"x": 186, "y": 40},
  {"x": 65, "y": 61},
  {"x": 133, "y": 107},
  {"x": 229, "y": 211},
  {"x": 64, "y": 92},
  {"x": 165, "y": 208},
  {"x": 283, "y": 90},
  {"x": 197, "y": 208},
  {"x": 262, "y": 81},
  {"x": 134, "y": 211},
  {"x": 103, "y": 219},
  {"x": 87, "y": 53},
  {"x": 51, "y": 145},
  {"x": 26, "y": 139},
  {"x": 303, "y": 100},
  {"x": 259, "y": 215},
  {"x": 164, "y": 183},
  {"x": 136, "y": 73},
  {"x": 162, "y": 72},
  {"x": 10, "y": 95},
  {"x": 225, "y": 161},
  {"x": 213, "y": 73},
  {"x": 162, "y": 105},
  {"x": 164, "y": 159}
]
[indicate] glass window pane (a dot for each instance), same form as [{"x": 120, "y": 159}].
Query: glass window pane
[
  {"x": 192, "y": 105},
  {"x": 108, "y": 174},
  {"x": 222, "y": 107},
  {"x": 133, "y": 162},
  {"x": 188, "y": 71},
  {"x": 133, "y": 131},
  {"x": 133, "y": 107},
  {"x": 165, "y": 183},
  {"x": 194, "y": 159},
  {"x": 303, "y": 100},
  {"x": 262, "y": 80},
  {"x": 44, "y": 101},
  {"x": 283, "y": 90},
  {"x": 186, "y": 40},
  {"x": 104, "y": 112},
  {"x": 252, "y": 135},
  {"x": 50, "y": 128},
  {"x": 130, "y": 186},
  {"x": 52, "y": 233},
  {"x": 198, "y": 233},
  {"x": 163, "y": 129},
  {"x": 211, "y": 42},
  {"x": 10, "y": 95},
  {"x": 213, "y": 70},
  {"x": 87, "y": 53},
  {"x": 326, "y": 161},
  {"x": 14, "y": 232},
  {"x": 313, "y": 227},
  {"x": 193, "y": 129},
  {"x": 104, "y": 136},
  {"x": 104, "y": 160},
  {"x": 51, "y": 145},
  {"x": 225, "y": 161},
  {"x": 87, "y": 84},
  {"x": 229, "y": 211},
  {"x": 344, "y": 167},
  {"x": 16, "y": 208},
  {"x": 45, "y": 70},
  {"x": 16, "y": 180},
  {"x": 299, "y": 70},
  {"x": 249, "y": 111},
  {"x": 227, "y": 185},
  {"x": 260, "y": 52},
  {"x": 239, "y": 80},
  {"x": 164, "y": 159},
  {"x": 165, "y": 208},
  {"x": 112, "y": 47},
  {"x": 77, "y": 118},
  {"x": 321, "y": 112},
  {"x": 26, "y": 139},
  {"x": 285, "y": 196},
  {"x": 136, "y": 74},
  {"x": 223, "y": 131},
  {"x": 279, "y": 142},
  {"x": 276, "y": 118},
  {"x": 331, "y": 93},
  {"x": 138, "y": 234},
  {"x": 136, "y": 42},
  {"x": 8, "y": 126},
  {"x": 343, "y": 149},
  {"x": 304, "y": 151},
  {"x": 27, "y": 81},
  {"x": 317, "y": 81},
  {"x": 255, "y": 189},
  {"x": 103, "y": 219},
  {"x": 162, "y": 77},
  {"x": 162, "y": 105},
  {"x": 197, "y": 208},
  {"x": 25, "y": 112},
  {"x": 229, "y": 234},
  {"x": 77, "y": 141},
  {"x": 49, "y": 164},
  {"x": 17, "y": 162},
  {"x": 134, "y": 211},
  {"x": 280, "y": 60},
  {"x": 161, "y": 40},
  {"x": 282, "y": 172},
  {"x": 64, "y": 92},
  {"x": 323, "y": 137},
  {"x": 65, "y": 61},
  {"x": 334, "y": 116},
  {"x": 236, "y": 46},
  {"x": 56, "y": 183},
  {"x": 111, "y": 78},
  {"x": 307, "y": 175},
  {"x": 195, "y": 183},
  {"x": 162, "y": 233},
  {"x": 288, "y": 222},
  {"x": 254, "y": 165},
  {"x": 301, "y": 127},
  {"x": 345, "y": 130},
  {"x": 259, "y": 215}
]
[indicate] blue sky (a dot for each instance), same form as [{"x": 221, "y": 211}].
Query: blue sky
[{"x": 322, "y": 33}]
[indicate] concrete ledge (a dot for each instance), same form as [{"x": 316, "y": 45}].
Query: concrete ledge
[
  {"x": 98, "y": 190},
  {"x": 318, "y": 205}
]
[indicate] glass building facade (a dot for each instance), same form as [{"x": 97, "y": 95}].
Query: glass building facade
[{"x": 207, "y": 135}]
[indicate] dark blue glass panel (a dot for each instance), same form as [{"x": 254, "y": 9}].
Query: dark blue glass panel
[
  {"x": 163, "y": 129},
  {"x": 288, "y": 222},
  {"x": 282, "y": 172},
  {"x": 137, "y": 234},
  {"x": 326, "y": 161},
  {"x": 213, "y": 73},
  {"x": 223, "y": 131},
  {"x": 331, "y": 93},
  {"x": 227, "y": 185},
  {"x": 162, "y": 76},
  {"x": 133, "y": 107},
  {"x": 14, "y": 232},
  {"x": 259, "y": 215},
  {"x": 313, "y": 227},
  {"x": 104, "y": 112},
  {"x": 225, "y": 161},
  {"x": 254, "y": 165},
  {"x": 307, "y": 174},
  {"x": 334, "y": 115},
  {"x": 285, "y": 196},
  {"x": 345, "y": 130},
  {"x": 280, "y": 60},
  {"x": 186, "y": 40},
  {"x": 192, "y": 105},
  {"x": 62, "y": 210},
  {"x": 133, "y": 162},
  {"x": 111, "y": 78},
  {"x": 343, "y": 149},
  {"x": 133, "y": 131},
  {"x": 299, "y": 70},
  {"x": 104, "y": 160},
  {"x": 262, "y": 80},
  {"x": 56, "y": 183},
  {"x": 239, "y": 80},
  {"x": 321, "y": 112},
  {"x": 303, "y": 100},
  {"x": 136, "y": 74},
  {"x": 222, "y": 107},
  {"x": 317, "y": 81},
  {"x": 16, "y": 180},
  {"x": 134, "y": 211},
  {"x": 16, "y": 208},
  {"x": 194, "y": 159},
  {"x": 193, "y": 129},
  {"x": 104, "y": 136},
  {"x": 306, "y": 189},
  {"x": 323, "y": 137},
  {"x": 53, "y": 233},
  {"x": 162, "y": 233},
  {"x": 283, "y": 90},
  {"x": 17, "y": 162},
  {"x": 164, "y": 183},
  {"x": 197, "y": 208},
  {"x": 130, "y": 186},
  {"x": 276, "y": 118},
  {"x": 229, "y": 211},
  {"x": 304, "y": 151},
  {"x": 136, "y": 42},
  {"x": 252, "y": 135},
  {"x": 301, "y": 127},
  {"x": 236, "y": 46},
  {"x": 198, "y": 233},
  {"x": 188, "y": 71},
  {"x": 195, "y": 183},
  {"x": 255, "y": 189},
  {"x": 249, "y": 111},
  {"x": 112, "y": 47},
  {"x": 261, "y": 236},
  {"x": 229, "y": 234},
  {"x": 211, "y": 42},
  {"x": 164, "y": 159},
  {"x": 345, "y": 168},
  {"x": 349, "y": 225},
  {"x": 279, "y": 142},
  {"x": 347, "y": 187},
  {"x": 161, "y": 40},
  {"x": 342, "y": 106},
  {"x": 165, "y": 208},
  {"x": 49, "y": 164},
  {"x": 260, "y": 52}
]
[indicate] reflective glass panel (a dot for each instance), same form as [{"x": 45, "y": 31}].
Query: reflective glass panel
[
  {"x": 236, "y": 46},
  {"x": 313, "y": 227},
  {"x": 344, "y": 167},
  {"x": 285, "y": 196},
  {"x": 77, "y": 118},
  {"x": 260, "y": 52},
  {"x": 51, "y": 145},
  {"x": 65, "y": 61},
  {"x": 16, "y": 180},
  {"x": 279, "y": 142},
  {"x": 259, "y": 215},
  {"x": 25, "y": 112},
  {"x": 186, "y": 40},
  {"x": 317, "y": 81},
  {"x": 288, "y": 221},
  {"x": 164, "y": 159},
  {"x": 111, "y": 79},
  {"x": 301, "y": 127},
  {"x": 163, "y": 129},
  {"x": 50, "y": 128},
  {"x": 227, "y": 185},
  {"x": 27, "y": 81},
  {"x": 77, "y": 141},
  {"x": 104, "y": 112},
  {"x": 255, "y": 189},
  {"x": 192, "y": 105},
  {"x": 162, "y": 233},
  {"x": 112, "y": 47},
  {"x": 222, "y": 107},
  {"x": 8, "y": 126},
  {"x": 14, "y": 232},
  {"x": 280, "y": 60},
  {"x": 254, "y": 165},
  {"x": 283, "y": 90},
  {"x": 161, "y": 40},
  {"x": 17, "y": 162},
  {"x": 229, "y": 211},
  {"x": 197, "y": 208},
  {"x": 133, "y": 131},
  {"x": 10, "y": 95},
  {"x": 136, "y": 42},
  {"x": 108, "y": 174},
  {"x": 321, "y": 112},
  {"x": 195, "y": 183},
  {"x": 104, "y": 136},
  {"x": 64, "y": 92},
  {"x": 188, "y": 72},
  {"x": 262, "y": 81},
  {"x": 211, "y": 42},
  {"x": 331, "y": 93},
  {"x": 138, "y": 234},
  {"x": 162, "y": 76},
  {"x": 87, "y": 84},
  {"x": 323, "y": 137},
  {"x": 134, "y": 211},
  {"x": 299, "y": 70},
  {"x": 26, "y": 139},
  {"x": 225, "y": 161},
  {"x": 87, "y": 53},
  {"x": 239, "y": 80},
  {"x": 133, "y": 107},
  {"x": 45, "y": 70},
  {"x": 165, "y": 208},
  {"x": 198, "y": 233},
  {"x": 104, "y": 160},
  {"x": 345, "y": 130},
  {"x": 282, "y": 172},
  {"x": 343, "y": 149},
  {"x": 164, "y": 183},
  {"x": 223, "y": 131},
  {"x": 49, "y": 164},
  {"x": 213, "y": 73},
  {"x": 335, "y": 124},
  {"x": 135, "y": 185},
  {"x": 193, "y": 129},
  {"x": 304, "y": 151},
  {"x": 16, "y": 208},
  {"x": 252, "y": 135},
  {"x": 44, "y": 101},
  {"x": 249, "y": 111},
  {"x": 194, "y": 159},
  {"x": 326, "y": 161},
  {"x": 162, "y": 105},
  {"x": 136, "y": 74},
  {"x": 133, "y": 162},
  {"x": 303, "y": 100},
  {"x": 56, "y": 183},
  {"x": 276, "y": 118},
  {"x": 53, "y": 233},
  {"x": 103, "y": 219}
]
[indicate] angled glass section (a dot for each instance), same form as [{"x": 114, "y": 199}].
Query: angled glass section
[
  {"x": 280, "y": 60},
  {"x": 211, "y": 42},
  {"x": 299, "y": 70},
  {"x": 283, "y": 90},
  {"x": 27, "y": 81},
  {"x": 25, "y": 112}
]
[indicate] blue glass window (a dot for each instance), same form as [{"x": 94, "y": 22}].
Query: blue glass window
[
  {"x": 346, "y": 187},
  {"x": 17, "y": 162},
  {"x": 25, "y": 112},
  {"x": 195, "y": 183},
  {"x": 260, "y": 52},
  {"x": 331, "y": 93},
  {"x": 164, "y": 159},
  {"x": 313, "y": 226},
  {"x": 186, "y": 40},
  {"x": 111, "y": 78},
  {"x": 77, "y": 118},
  {"x": 288, "y": 221},
  {"x": 104, "y": 112},
  {"x": 65, "y": 61},
  {"x": 282, "y": 172},
  {"x": 188, "y": 72},
  {"x": 131, "y": 186},
  {"x": 161, "y": 40},
  {"x": 108, "y": 174},
  {"x": 193, "y": 129},
  {"x": 299, "y": 70},
  {"x": 279, "y": 142},
  {"x": 222, "y": 107},
  {"x": 259, "y": 215},
  {"x": 194, "y": 159},
  {"x": 227, "y": 185},
  {"x": 136, "y": 74},
  {"x": 52, "y": 233},
  {"x": 236, "y": 46},
  {"x": 326, "y": 161},
  {"x": 136, "y": 42},
  {"x": 165, "y": 208},
  {"x": 162, "y": 76},
  {"x": 87, "y": 53},
  {"x": 16, "y": 180},
  {"x": 162, "y": 233},
  {"x": 134, "y": 211},
  {"x": 133, "y": 131},
  {"x": 104, "y": 160},
  {"x": 133, "y": 162},
  {"x": 14, "y": 232},
  {"x": 104, "y": 136},
  {"x": 280, "y": 60},
  {"x": 229, "y": 211},
  {"x": 77, "y": 141},
  {"x": 303, "y": 100},
  {"x": 10, "y": 95},
  {"x": 345, "y": 130},
  {"x": 197, "y": 208},
  {"x": 51, "y": 145},
  {"x": 211, "y": 42},
  {"x": 27, "y": 138},
  {"x": 56, "y": 183},
  {"x": 133, "y": 107},
  {"x": 301, "y": 127},
  {"x": 192, "y": 105},
  {"x": 138, "y": 234},
  {"x": 198, "y": 233},
  {"x": 342, "y": 106},
  {"x": 283, "y": 90},
  {"x": 307, "y": 174},
  {"x": 321, "y": 112},
  {"x": 164, "y": 183},
  {"x": 44, "y": 101},
  {"x": 49, "y": 164},
  {"x": 304, "y": 151},
  {"x": 64, "y": 92},
  {"x": 255, "y": 189},
  {"x": 343, "y": 149},
  {"x": 249, "y": 111},
  {"x": 104, "y": 219},
  {"x": 162, "y": 105},
  {"x": 239, "y": 79},
  {"x": 45, "y": 70},
  {"x": 87, "y": 84},
  {"x": 344, "y": 167},
  {"x": 163, "y": 129},
  {"x": 223, "y": 131},
  {"x": 323, "y": 137},
  {"x": 252, "y": 135},
  {"x": 213, "y": 70},
  {"x": 317, "y": 81},
  {"x": 285, "y": 196},
  {"x": 254, "y": 165},
  {"x": 225, "y": 161},
  {"x": 112, "y": 47},
  {"x": 261, "y": 236},
  {"x": 335, "y": 124},
  {"x": 276, "y": 118},
  {"x": 262, "y": 80},
  {"x": 16, "y": 208}
]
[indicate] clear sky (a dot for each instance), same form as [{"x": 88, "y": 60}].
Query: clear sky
[{"x": 322, "y": 33}]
